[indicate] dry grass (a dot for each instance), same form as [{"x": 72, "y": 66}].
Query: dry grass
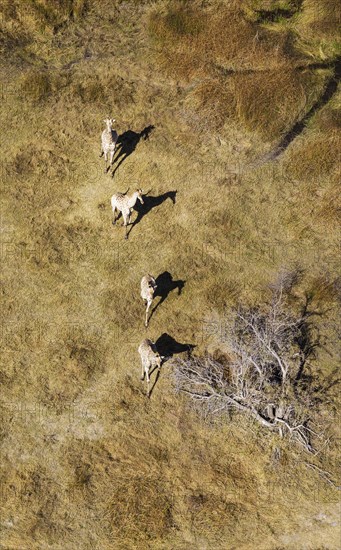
[
  {"x": 318, "y": 28},
  {"x": 195, "y": 42},
  {"x": 266, "y": 104},
  {"x": 270, "y": 105},
  {"x": 88, "y": 461},
  {"x": 240, "y": 69},
  {"x": 315, "y": 159}
]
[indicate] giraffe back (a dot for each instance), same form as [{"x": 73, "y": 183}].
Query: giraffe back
[
  {"x": 120, "y": 201},
  {"x": 109, "y": 139},
  {"x": 148, "y": 287},
  {"x": 148, "y": 353}
]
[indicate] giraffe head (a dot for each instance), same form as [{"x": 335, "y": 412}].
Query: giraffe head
[
  {"x": 152, "y": 283},
  {"x": 139, "y": 195},
  {"x": 109, "y": 122},
  {"x": 158, "y": 359}
]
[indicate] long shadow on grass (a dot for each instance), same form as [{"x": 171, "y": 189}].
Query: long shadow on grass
[
  {"x": 298, "y": 128},
  {"x": 257, "y": 70},
  {"x": 127, "y": 143},
  {"x": 164, "y": 285},
  {"x": 167, "y": 346},
  {"x": 309, "y": 341},
  {"x": 270, "y": 16},
  {"x": 149, "y": 203}
]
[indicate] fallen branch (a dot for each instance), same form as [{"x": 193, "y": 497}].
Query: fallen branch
[
  {"x": 269, "y": 348},
  {"x": 324, "y": 474}
]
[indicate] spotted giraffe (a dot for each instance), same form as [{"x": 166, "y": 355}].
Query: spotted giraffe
[
  {"x": 109, "y": 140},
  {"x": 125, "y": 204},
  {"x": 150, "y": 358},
  {"x": 148, "y": 287}
]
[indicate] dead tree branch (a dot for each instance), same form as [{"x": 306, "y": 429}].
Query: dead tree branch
[{"x": 269, "y": 348}]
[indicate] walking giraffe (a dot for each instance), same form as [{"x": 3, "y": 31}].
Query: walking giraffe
[
  {"x": 150, "y": 358},
  {"x": 109, "y": 140},
  {"x": 125, "y": 204},
  {"x": 148, "y": 287}
]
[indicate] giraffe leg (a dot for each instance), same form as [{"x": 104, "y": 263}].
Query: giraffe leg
[
  {"x": 125, "y": 223},
  {"x": 148, "y": 306},
  {"x": 112, "y": 157},
  {"x": 148, "y": 382}
]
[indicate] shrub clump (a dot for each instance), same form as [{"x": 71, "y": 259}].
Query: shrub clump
[{"x": 267, "y": 375}]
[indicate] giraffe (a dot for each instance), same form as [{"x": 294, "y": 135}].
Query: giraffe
[
  {"x": 125, "y": 204},
  {"x": 109, "y": 140},
  {"x": 148, "y": 287},
  {"x": 150, "y": 358}
]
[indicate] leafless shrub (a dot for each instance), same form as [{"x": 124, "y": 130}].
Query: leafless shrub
[
  {"x": 286, "y": 280},
  {"x": 265, "y": 376}
]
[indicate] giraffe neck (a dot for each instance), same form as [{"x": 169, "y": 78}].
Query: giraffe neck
[{"x": 132, "y": 200}]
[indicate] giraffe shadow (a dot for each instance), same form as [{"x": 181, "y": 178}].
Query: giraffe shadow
[
  {"x": 127, "y": 143},
  {"x": 155, "y": 381},
  {"x": 149, "y": 203},
  {"x": 167, "y": 346},
  {"x": 164, "y": 285}
]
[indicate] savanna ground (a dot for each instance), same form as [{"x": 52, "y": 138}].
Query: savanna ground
[{"x": 243, "y": 98}]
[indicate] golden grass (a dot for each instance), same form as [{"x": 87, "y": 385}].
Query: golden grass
[
  {"x": 258, "y": 9},
  {"x": 315, "y": 159},
  {"x": 239, "y": 67},
  {"x": 267, "y": 104},
  {"x": 320, "y": 20},
  {"x": 271, "y": 104},
  {"x": 89, "y": 462},
  {"x": 193, "y": 42}
]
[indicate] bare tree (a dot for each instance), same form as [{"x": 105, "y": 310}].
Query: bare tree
[{"x": 269, "y": 349}]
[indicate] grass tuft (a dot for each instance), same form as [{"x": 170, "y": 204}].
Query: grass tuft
[
  {"x": 37, "y": 86},
  {"x": 139, "y": 509},
  {"x": 271, "y": 105}
]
